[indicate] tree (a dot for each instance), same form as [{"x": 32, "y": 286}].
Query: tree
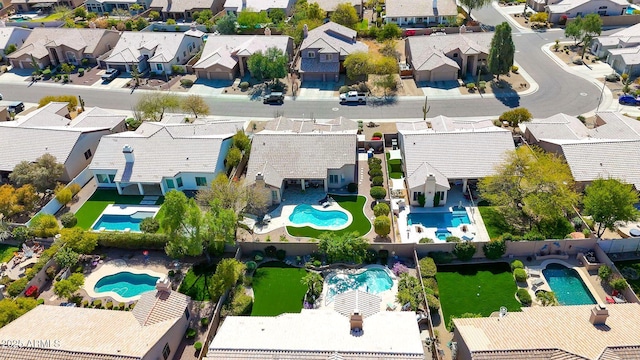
[
  {"x": 220, "y": 225},
  {"x": 64, "y": 196},
  {"x": 464, "y": 250},
  {"x": 17, "y": 201},
  {"x": 136, "y": 8},
  {"x": 389, "y": 31},
  {"x": 516, "y": 116},
  {"x": 378, "y": 192},
  {"x": 357, "y": 64},
  {"x": 11, "y": 309},
  {"x": 609, "y": 201},
  {"x": 270, "y": 65},
  {"x": 79, "y": 240},
  {"x": 381, "y": 209},
  {"x": 203, "y": 16},
  {"x": 386, "y": 66},
  {"x": 252, "y": 19},
  {"x": 153, "y": 105},
  {"x": 66, "y": 288},
  {"x": 539, "y": 17},
  {"x": 591, "y": 27},
  {"x": 135, "y": 74},
  {"x": 241, "y": 141},
  {"x": 174, "y": 208},
  {"x": 345, "y": 15},
  {"x": 227, "y": 25},
  {"x": 315, "y": 12},
  {"x": 149, "y": 225},
  {"x": 474, "y": 4},
  {"x": 313, "y": 281},
  {"x": 66, "y": 257},
  {"x": 154, "y": 15},
  {"x": 80, "y": 12},
  {"x": 233, "y": 157},
  {"x": 277, "y": 15},
  {"x": 350, "y": 247},
  {"x": 195, "y": 104},
  {"x": 502, "y": 51},
  {"x": 228, "y": 272},
  {"x": 67, "y": 68},
  {"x": 44, "y": 225},
  {"x": 10, "y": 48},
  {"x": 387, "y": 82},
  {"x": 27, "y": 197},
  {"x": 297, "y": 31},
  {"x": 42, "y": 174},
  {"x": 382, "y": 225},
  {"x": 530, "y": 186},
  {"x": 233, "y": 195}
]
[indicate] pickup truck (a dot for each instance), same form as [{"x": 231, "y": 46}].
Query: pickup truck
[
  {"x": 110, "y": 74},
  {"x": 353, "y": 97}
]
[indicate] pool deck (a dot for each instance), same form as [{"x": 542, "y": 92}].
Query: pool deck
[
  {"x": 110, "y": 268},
  {"x": 476, "y": 230},
  {"x": 118, "y": 209}
]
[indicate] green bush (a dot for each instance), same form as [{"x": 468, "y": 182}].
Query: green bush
[
  {"x": 270, "y": 251},
  {"x": 441, "y": 257},
  {"x": 244, "y": 85},
  {"x": 85, "y": 303},
  {"x": 516, "y": 264},
  {"x": 375, "y": 166},
  {"x": 618, "y": 284},
  {"x": 453, "y": 239},
  {"x": 68, "y": 220},
  {"x": 377, "y": 134},
  {"x": 471, "y": 86},
  {"x": 247, "y": 280},
  {"x": 44, "y": 225},
  {"x": 97, "y": 303},
  {"x": 524, "y": 297},
  {"x": 520, "y": 275},
  {"x": 204, "y": 321},
  {"x": 433, "y": 303},
  {"x": 426, "y": 240},
  {"x": 108, "y": 305},
  {"x": 464, "y": 251},
  {"x": 374, "y": 160},
  {"x": 377, "y": 181},
  {"x": 51, "y": 272},
  {"x": 191, "y": 333},
  {"x": 381, "y": 209},
  {"x": 251, "y": 265},
  {"x": 186, "y": 83},
  {"x": 198, "y": 346},
  {"x": 605, "y": 272},
  {"x": 80, "y": 71},
  {"x": 494, "y": 249},
  {"x": 375, "y": 172},
  {"x": 132, "y": 241},
  {"x": 281, "y": 254},
  {"x": 427, "y": 267},
  {"x": 378, "y": 192},
  {"x": 514, "y": 69},
  {"x": 352, "y": 188},
  {"x": 149, "y": 225},
  {"x": 17, "y": 287},
  {"x": 317, "y": 263}
]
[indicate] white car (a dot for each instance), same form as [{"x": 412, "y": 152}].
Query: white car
[{"x": 353, "y": 97}]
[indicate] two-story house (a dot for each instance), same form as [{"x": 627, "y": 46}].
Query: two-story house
[
  {"x": 184, "y": 9},
  {"x": 427, "y": 12},
  {"x": 108, "y": 6},
  {"x": 575, "y": 8},
  {"x": 323, "y": 51},
  {"x": 236, "y": 6}
]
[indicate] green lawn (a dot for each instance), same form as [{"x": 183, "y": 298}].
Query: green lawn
[
  {"x": 52, "y": 17},
  {"x": 460, "y": 285},
  {"x": 634, "y": 264},
  {"x": 277, "y": 289},
  {"x": 6, "y": 252},
  {"x": 196, "y": 281},
  {"x": 494, "y": 222},
  {"x": 394, "y": 168},
  {"x": 90, "y": 211},
  {"x": 353, "y": 204}
]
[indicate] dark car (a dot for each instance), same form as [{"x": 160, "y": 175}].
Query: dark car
[
  {"x": 273, "y": 98},
  {"x": 110, "y": 74},
  {"x": 16, "y": 107},
  {"x": 628, "y": 100}
]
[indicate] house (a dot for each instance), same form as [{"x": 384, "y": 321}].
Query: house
[
  {"x": 447, "y": 57},
  {"x": 625, "y": 38},
  {"x": 224, "y": 56},
  {"x": 594, "y": 332},
  {"x": 54, "y": 46},
  {"x": 12, "y": 36},
  {"x": 575, "y": 8},
  {"x": 37, "y": 5},
  {"x": 236, "y": 6},
  {"x": 319, "y": 334},
  {"x": 152, "y": 330},
  {"x": 159, "y": 157},
  {"x": 282, "y": 159},
  {"x": 427, "y": 12},
  {"x": 329, "y": 6},
  {"x": 324, "y": 49},
  {"x": 625, "y": 60},
  {"x": 108, "y": 6},
  {"x": 157, "y": 52},
  {"x": 601, "y": 152},
  {"x": 339, "y": 124},
  {"x": 444, "y": 151},
  {"x": 49, "y": 130},
  {"x": 184, "y": 9}
]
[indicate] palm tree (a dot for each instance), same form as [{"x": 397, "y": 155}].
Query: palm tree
[{"x": 313, "y": 281}]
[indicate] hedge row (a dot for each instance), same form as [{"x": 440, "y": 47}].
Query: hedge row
[{"x": 133, "y": 241}]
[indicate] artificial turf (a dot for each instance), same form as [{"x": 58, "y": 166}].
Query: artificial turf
[
  {"x": 277, "y": 289},
  {"x": 6, "y": 252},
  {"x": 478, "y": 288},
  {"x": 634, "y": 264},
  {"x": 394, "y": 168},
  {"x": 196, "y": 282},
  {"x": 494, "y": 222},
  {"x": 96, "y": 204},
  {"x": 353, "y": 204}
]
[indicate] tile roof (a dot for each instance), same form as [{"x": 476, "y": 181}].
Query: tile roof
[
  {"x": 621, "y": 353},
  {"x": 77, "y": 39},
  {"x": 565, "y": 328},
  {"x": 412, "y": 8},
  {"x": 559, "y": 126},
  {"x": 568, "y": 5},
  {"x": 280, "y": 156},
  {"x": 155, "y": 307},
  {"x": 257, "y": 5},
  {"x": 338, "y": 124},
  {"x": 224, "y": 49},
  {"x": 423, "y": 48},
  {"x": 331, "y": 5},
  {"x": 163, "y": 46},
  {"x": 419, "y": 175},
  {"x": 317, "y": 334},
  {"x": 631, "y": 56},
  {"x": 624, "y": 36},
  {"x": 55, "y": 115},
  {"x": 457, "y": 155},
  {"x": 536, "y": 354},
  {"x": 334, "y": 38},
  {"x": 11, "y": 35},
  {"x": 92, "y": 334},
  {"x": 181, "y": 6},
  {"x": 164, "y": 150},
  {"x": 445, "y": 123}
]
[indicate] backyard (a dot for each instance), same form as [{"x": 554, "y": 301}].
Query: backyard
[
  {"x": 353, "y": 204},
  {"x": 479, "y": 289},
  {"x": 394, "y": 167},
  {"x": 630, "y": 276},
  {"x": 96, "y": 204},
  {"x": 494, "y": 222},
  {"x": 277, "y": 289},
  {"x": 6, "y": 252},
  {"x": 195, "y": 283}
]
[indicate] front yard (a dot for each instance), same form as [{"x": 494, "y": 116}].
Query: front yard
[{"x": 353, "y": 204}]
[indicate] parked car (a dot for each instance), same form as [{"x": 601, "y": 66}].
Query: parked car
[
  {"x": 0, "y": 96},
  {"x": 110, "y": 74},
  {"x": 68, "y": 304},
  {"x": 353, "y": 97},
  {"x": 16, "y": 107},
  {"x": 273, "y": 98},
  {"x": 629, "y": 100}
]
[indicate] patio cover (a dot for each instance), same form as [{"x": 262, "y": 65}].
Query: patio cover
[
  {"x": 366, "y": 304},
  {"x": 397, "y": 184},
  {"x": 395, "y": 155}
]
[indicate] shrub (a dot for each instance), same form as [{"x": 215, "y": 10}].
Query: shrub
[
  {"x": 374, "y": 173},
  {"x": 426, "y": 240},
  {"x": 427, "y": 267},
  {"x": 247, "y": 280},
  {"x": 317, "y": 263},
  {"x": 514, "y": 69},
  {"x": 494, "y": 249},
  {"x": 97, "y": 303},
  {"x": 381, "y": 209},
  {"x": 251, "y": 265},
  {"x": 377, "y": 181},
  {"x": 17, "y": 287},
  {"x": 51, "y": 272},
  {"x": 378, "y": 192},
  {"x": 422, "y": 200},
  {"x": 377, "y": 134},
  {"x": 244, "y": 86},
  {"x": 374, "y": 160},
  {"x": 198, "y": 346},
  {"x": 85, "y": 303},
  {"x": 352, "y": 187},
  {"x": 618, "y": 284},
  {"x": 520, "y": 275},
  {"x": 68, "y": 220},
  {"x": 281, "y": 254},
  {"x": 605, "y": 272},
  {"x": 191, "y": 333},
  {"x": 382, "y": 225},
  {"x": 524, "y": 297},
  {"x": 375, "y": 166},
  {"x": 464, "y": 251},
  {"x": 399, "y": 268},
  {"x": 132, "y": 241},
  {"x": 383, "y": 255},
  {"x": 433, "y": 303},
  {"x": 80, "y": 71},
  {"x": 149, "y": 225},
  {"x": 44, "y": 225},
  {"x": 270, "y": 251},
  {"x": 204, "y": 321},
  {"x": 482, "y": 85},
  {"x": 344, "y": 89},
  {"x": 108, "y": 305},
  {"x": 431, "y": 283},
  {"x": 453, "y": 239},
  {"x": 471, "y": 86},
  {"x": 441, "y": 257},
  {"x": 186, "y": 83},
  {"x": 516, "y": 264}
]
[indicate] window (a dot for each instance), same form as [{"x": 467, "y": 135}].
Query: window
[
  {"x": 602, "y": 7},
  {"x": 333, "y": 179},
  {"x": 455, "y": 55},
  {"x": 190, "y": 47},
  {"x": 159, "y": 67},
  {"x": 103, "y": 179},
  {"x": 112, "y": 178},
  {"x": 441, "y": 196},
  {"x": 179, "y": 181},
  {"x": 166, "y": 351},
  {"x": 274, "y": 195},
  {"x": 184, "y": 53},
  {"x": 87, "y": 154},
  {"x": 187, "y": 313},
  {"x": 201, "y": 181},
  {"x": 416, "y": 195},
  {"x": 328, "y": 57},
  {"x": 178, "y": 59},
  {"x": 311, "y": 54},
  {"x": 170, "y": 184}
]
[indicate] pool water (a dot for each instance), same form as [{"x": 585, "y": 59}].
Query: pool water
[
  {"x": 439, "y": 219},
  {"x": 121, "y": 222},
  {"x": 442, "y": 234},
  {"x": 306, "y": 214},
  {"x": 373, "y": 281},
  {"x": 567, "y": 285},
  {"x": 126, "y": 284}
]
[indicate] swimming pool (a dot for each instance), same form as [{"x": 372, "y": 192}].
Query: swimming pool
[
  {"x": 122, "y": 222},
  {"x": 567, "y": 285},
  {"x": 372, "y": 280},
  {"x": 126, "y": 284},
  {"x": 439, "y": 219},
  {"x": 304, "y": 214},
  {"x": 442, "y": 234}
]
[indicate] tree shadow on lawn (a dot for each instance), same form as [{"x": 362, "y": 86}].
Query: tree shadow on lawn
[{"x": 198, "y": 289}]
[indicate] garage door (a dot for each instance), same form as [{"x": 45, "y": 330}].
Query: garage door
[
  {"x": 215, "y": 75},
  {"x": 421, "y": 75},
  {"x": 443, "y": 74}
]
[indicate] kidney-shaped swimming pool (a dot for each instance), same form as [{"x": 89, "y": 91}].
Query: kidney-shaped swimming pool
[{"x": 126, "y": 284}]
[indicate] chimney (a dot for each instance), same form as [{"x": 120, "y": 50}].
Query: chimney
[
  {"x": 128, "y": 153},
  {"x": 305, "y": 31},
  {"x": 435, "y": 4},
  {"x": 267, "y": 32},
  {"x": 193, "y": 26},
  {"x": 599, "y": 315},
  {"x": 163, "y": 284},
  {"x": 355, "y": 322},
  {"x": 463, "y": 29}
]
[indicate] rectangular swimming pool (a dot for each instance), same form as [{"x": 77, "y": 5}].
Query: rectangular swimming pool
[
  {"x": 122, "y": 222},
  {"x": 439, "y": 219}
]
